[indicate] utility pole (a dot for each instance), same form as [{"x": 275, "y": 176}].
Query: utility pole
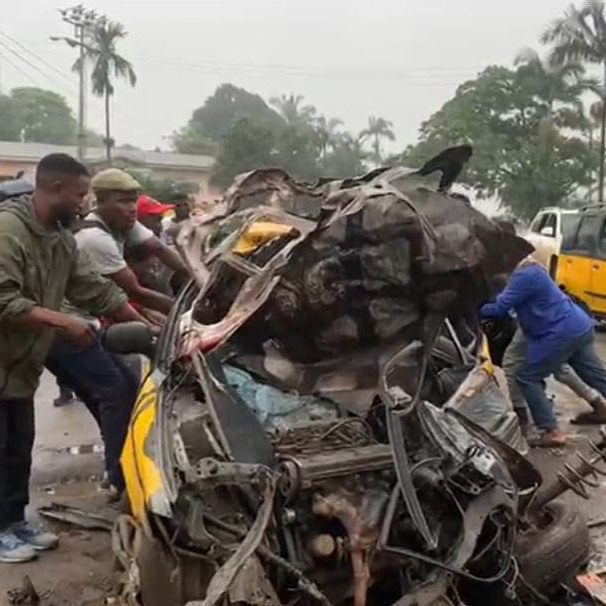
[
  {"x": 82, "y": 21},
  {"x": 79, "y": 33}
]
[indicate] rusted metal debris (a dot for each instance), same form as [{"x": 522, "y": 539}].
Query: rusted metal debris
[
  {"x": 74, "y": 516},
  {"x": 26, "y": 594}
]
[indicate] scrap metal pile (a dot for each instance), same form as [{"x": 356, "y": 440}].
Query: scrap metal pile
[{"x": 329, "y": 430}]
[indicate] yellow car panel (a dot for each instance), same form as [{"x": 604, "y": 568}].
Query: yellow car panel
[
  {"x": 487, "y": 364},
  {"x": 598, "y": 286},
  {"x": 142, "y": 477},
  {"x": 574, "y": 273},
  {"x": 258, "y": 233}
]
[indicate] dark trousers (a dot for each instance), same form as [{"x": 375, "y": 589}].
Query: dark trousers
[
  {"x": 16, "y": 443},
  {"x": 107, "y": 387}
]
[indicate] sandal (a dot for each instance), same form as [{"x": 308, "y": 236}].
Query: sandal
[
  {"x": 589, "y": 418},
  {"x": 553, "y": 438}
]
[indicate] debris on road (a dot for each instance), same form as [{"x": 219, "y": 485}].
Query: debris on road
[
  {"x": 76, "y": 517},
  {"x": 26, "y": 594}
]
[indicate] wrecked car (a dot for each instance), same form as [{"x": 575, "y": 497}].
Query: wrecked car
[{"x": 320, "y": 421}]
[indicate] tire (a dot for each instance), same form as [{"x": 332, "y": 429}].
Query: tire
[{"x": 556, "y": 552}]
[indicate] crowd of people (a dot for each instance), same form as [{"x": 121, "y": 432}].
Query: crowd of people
[
  {"x": 65, "y": 274},
  {"x": 62, "y": 276}
]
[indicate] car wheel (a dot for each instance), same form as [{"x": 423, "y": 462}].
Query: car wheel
[{"x": 555, "y": 550}]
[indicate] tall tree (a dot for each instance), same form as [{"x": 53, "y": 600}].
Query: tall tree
[
  {"x": 377, "y": 129},
  {"x": 246, "y": 146},
  {"x": 346, "y": 159},
  {"x": 580, "y": 35},
  {"x": 211, "y": 122},
  {"x": 520, "y": 152},
  {"x": 101, "y": 50},
  {"x": 9, "y": 129},
  {"x": 559, "y": 85},
  {"x": 291, "y": 108},
  {"x": 35, "y": 114},
  {"x": 327, "y": 132},
  {"x": 296, "y": 151}
]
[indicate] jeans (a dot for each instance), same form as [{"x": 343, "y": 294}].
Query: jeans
[
  {"x": 514, "y": 358},
  {"x": 580, "y": 354},
  {"x": 108, "y": 389},
  {"x": 16, "y": 443}
]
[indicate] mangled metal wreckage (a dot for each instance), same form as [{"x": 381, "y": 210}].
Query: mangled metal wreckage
[{"x": 321, "y": 423}]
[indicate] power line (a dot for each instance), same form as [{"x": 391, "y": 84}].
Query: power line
[
  {"x": 70, "y": 93},
  {"x": 18, "y": 69},
  {"x": 313, "y": 72},
  {"x": 31, "y": 65},
  {"x": 36, "y": 56}
]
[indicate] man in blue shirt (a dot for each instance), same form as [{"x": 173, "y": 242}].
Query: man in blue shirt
[{"x": 557, "y": 332}]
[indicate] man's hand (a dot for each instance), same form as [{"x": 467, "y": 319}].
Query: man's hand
[
  {"x": 169, "y": 257},
  {"x": 77, "y": 331},
  {"x": 70, "y": 327},
  {"x": 155, "y": 318}
]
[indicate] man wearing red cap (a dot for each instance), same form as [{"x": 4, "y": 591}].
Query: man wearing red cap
[
  {"x": 150, "y": 213},
  {"x": 150, "y": 271}
]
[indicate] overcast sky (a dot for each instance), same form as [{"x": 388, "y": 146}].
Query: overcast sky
[{"x": 400, "y": 59}]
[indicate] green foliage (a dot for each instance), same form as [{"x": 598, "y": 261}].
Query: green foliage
[
  {"x": 163, "y": 190},
  {"x": 35, "y": 114},
  {"x": 243, "y": 132},
  {"x": 40, "y": 116},
  {"x": 346, "y": 158},
  {"x": 291, "y": 108},
  {"x": 580, "y": 36},
  {"x": 246, "y": 146},
  {"x": 212, "y": 122},
  {"x": 519, "y": 128},
  {"x": 377, "y": 129},
  {"x": 10, "y": 129},
  {"x": 296, "y": 150}
]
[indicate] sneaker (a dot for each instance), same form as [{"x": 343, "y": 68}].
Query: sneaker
[
  {"x": 13, "y": 550},
  {"x": 105, "y": 483},
  {"x": 37, "y": 538},
  {"x": 65, "y": 400}
]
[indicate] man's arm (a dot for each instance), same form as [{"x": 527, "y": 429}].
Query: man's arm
[
  {"x": 128, "y": 282},
  {"x": 17, "y": 309},
  {"x": 127, "y": 313},
  {"x": 518, "y": 289},
  {"x": 170, "y": 257},
  {"x": 13, "y": 304}
]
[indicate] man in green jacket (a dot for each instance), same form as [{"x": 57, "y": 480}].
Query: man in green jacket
[{"x": 39, "y": 267}]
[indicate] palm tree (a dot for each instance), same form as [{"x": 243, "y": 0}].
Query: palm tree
[
  {"x": 377, "y": 129},
  {"x": 292, "y": 111},
  {"x": 580, "y": 35},
  {"x": 594, "y": 120},
  {"x": 556, "y": 83},
  {"x": 326, "y": 131},
  {"x": 347, "y": 157},
  {"x": 100, "y": 50}
]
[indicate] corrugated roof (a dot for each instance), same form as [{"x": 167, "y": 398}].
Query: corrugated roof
[{"x": 16, "y": 150}]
